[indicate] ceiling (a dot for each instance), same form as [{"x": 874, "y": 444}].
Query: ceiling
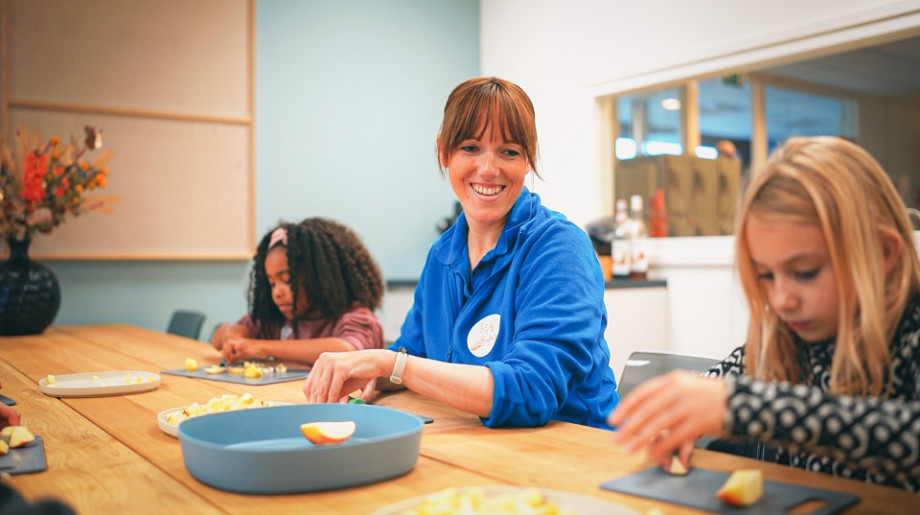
[{"x": 887, "y": 70}]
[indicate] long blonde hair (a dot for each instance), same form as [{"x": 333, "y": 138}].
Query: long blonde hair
[{"x": 838, "y": 187}]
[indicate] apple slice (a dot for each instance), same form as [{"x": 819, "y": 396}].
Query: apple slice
[
  {"x": 191, "y": 364},
  {"x": 328, "y": 432},
  {"x": 742, "y": 488},
  {"x": 677, "y": 468},
  {"x": 4, "y": 448},
  {"x": 17, "y": 436}
]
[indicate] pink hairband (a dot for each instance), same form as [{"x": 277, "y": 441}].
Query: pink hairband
[{"x": 278, "y": 236}]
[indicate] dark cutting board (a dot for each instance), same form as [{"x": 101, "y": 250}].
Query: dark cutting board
[
  {"x": 698, "y": 490},
  {"x": 23, "y": 460}
]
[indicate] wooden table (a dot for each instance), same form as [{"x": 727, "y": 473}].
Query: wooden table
[{"x": 107, "y": 454}]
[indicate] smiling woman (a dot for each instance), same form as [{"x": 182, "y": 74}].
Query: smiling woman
[{"x": 508, "y": 318}]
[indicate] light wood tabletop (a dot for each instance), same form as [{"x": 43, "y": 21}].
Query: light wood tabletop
[{"x": 108, "y": 455}]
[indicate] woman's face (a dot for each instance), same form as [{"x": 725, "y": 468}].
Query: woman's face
[
  {"x": 794, "y": 268},
  {"x": 279, "y": 278},
  {"x": 487, "y": 176}
]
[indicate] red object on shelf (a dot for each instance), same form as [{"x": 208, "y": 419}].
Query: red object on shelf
[{"x": 658, "y": 216}]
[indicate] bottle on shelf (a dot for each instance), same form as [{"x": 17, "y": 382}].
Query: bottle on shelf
[
  {"x": 658, "y": 217},
  {"x": 638, "y": 239},
  {"x": 620, "y": 250}
]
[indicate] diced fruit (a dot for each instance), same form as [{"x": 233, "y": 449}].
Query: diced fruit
[
  {"x": 4, "y": 448},
  {"x": 215, "y": 369},
  {"x": 677, "y": 468},
  {"x": 252, "y": 373},
  {"x": 236, "y": 370},
  {"x": 51, "y": 380},
  {"x": 328, "y": 432},
  {"x": 743, "y": 488},
  {"x": 17, "y": 436},
  {"x": 191, "y": 364}
]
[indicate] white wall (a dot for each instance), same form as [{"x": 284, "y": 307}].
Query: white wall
[{"x": 568, "y": 54}]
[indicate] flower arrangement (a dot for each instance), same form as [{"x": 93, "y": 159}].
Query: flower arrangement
[{"x": 44, "y": 182}]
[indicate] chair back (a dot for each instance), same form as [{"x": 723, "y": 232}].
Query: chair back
[
  {"x": 186, "y": 323},
  {"x": 643, "y": 365}
]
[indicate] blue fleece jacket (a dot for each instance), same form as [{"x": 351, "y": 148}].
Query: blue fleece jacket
[{"x": 532, "y": 311}]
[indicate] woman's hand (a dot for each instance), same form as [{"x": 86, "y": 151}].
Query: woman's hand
[
  {"x": 336, "y": 374},
  {"x": 669, "y": 413}
]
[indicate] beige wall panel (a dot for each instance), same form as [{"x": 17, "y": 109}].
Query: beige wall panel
[
  {"x": 163, "y": 55},
  {"x": 182, "y": 188}
]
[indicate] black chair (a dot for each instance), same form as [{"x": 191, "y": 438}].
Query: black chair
[{"x": 186, "y": 323}]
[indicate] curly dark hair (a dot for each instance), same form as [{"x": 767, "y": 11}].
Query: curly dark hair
[{"x": 327, "y": 262}]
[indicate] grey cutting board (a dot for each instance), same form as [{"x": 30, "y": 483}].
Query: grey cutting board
[
  {"x": 698, "y": 490},
  {"x": 23, "y": 460},
  {"x": 291, "y": 375}
]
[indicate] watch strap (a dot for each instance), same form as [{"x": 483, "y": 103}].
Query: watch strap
[{"x": 402, "y": 356}]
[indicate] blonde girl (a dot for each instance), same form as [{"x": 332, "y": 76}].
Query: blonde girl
[{"x": 830, "y": 374}]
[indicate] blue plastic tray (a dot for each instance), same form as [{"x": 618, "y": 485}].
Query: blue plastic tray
[{"x": 262, "y": 451}]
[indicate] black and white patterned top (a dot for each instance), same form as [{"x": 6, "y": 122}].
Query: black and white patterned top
[{"x": 863, "y": 438}]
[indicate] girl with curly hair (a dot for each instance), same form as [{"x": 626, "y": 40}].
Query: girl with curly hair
[{"x": 313, "y": 288}]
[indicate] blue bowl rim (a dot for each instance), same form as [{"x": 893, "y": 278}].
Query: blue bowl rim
[{"x": 420, "y": 424}]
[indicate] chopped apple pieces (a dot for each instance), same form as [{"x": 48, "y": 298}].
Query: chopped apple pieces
[
  {"x": 16, "y": 436},
  {"x": 191, "y": 364},
  {"x": 328, "y": 432},
  {"x": 677, "y": 468},
  {"x": 226, "y": 402},
  {"x": 4, "y": 448},
  {"x": 742, "y": 488}
]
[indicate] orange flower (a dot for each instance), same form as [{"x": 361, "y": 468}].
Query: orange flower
[{"x": 38, "y": 189}]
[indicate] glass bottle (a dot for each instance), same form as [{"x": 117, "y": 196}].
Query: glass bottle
[
  {"x": 621, "y": 248},
  {"x": 638, "y": 237}
]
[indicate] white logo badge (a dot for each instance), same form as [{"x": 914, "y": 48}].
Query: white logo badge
[{"x": 483, "y": 335}]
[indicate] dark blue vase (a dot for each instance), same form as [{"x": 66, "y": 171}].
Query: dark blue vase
[{"x": 29, "y": 293}]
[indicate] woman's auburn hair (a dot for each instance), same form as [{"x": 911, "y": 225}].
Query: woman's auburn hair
[
  {"x": 835, "y": 185},
  {"x": 483, "y": 102}
]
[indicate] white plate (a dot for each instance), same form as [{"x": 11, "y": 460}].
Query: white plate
[
  {"x": 577, "y": 503},
  {"x": 173, "y": 430},
  {"x": 100, "y": 384}
]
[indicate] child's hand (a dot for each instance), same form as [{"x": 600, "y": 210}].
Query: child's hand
[
  {"x": 239, "y": 349},
  {"x": 225, "y": 333},
  {"x": 670, "y": 412}
]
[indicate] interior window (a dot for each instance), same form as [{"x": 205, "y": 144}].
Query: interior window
[
  {"x": 798, "y": 113},
  {"x": 650, "y": 124},
  {"x": 725, "y": 115}
]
